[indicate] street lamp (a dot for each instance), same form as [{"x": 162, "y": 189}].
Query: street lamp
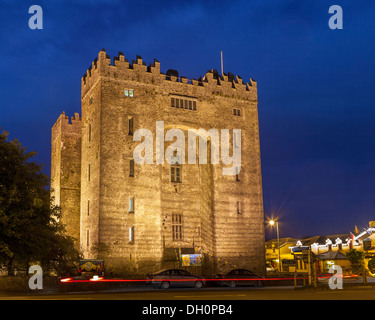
[{"x": 272, "y": 222}]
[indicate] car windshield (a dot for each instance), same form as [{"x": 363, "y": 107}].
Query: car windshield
[
  {"x": 172, "y": 272},
  {"x": 166, "y": 272}
]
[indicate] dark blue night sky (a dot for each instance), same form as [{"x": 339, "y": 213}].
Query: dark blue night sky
[{"x": 315, "y": 85}]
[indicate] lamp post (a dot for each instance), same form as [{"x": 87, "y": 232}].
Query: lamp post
[{"x": 272, "y": 222}]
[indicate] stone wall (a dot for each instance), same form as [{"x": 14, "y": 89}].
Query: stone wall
[{"x": 66, "y": 171}]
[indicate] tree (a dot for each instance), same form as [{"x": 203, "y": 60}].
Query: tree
[
  {"x": 356, "y": 259},
  {"x": 30, "y": 230},
  {"x": 371, "y": 265}
]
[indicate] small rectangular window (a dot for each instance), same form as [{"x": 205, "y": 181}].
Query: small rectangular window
[
  {"x": 88, "y": 207},
  {"x": 131, "y": 234},
  {"x": 131, "y": 205},
  {"x": 131, "y": 126},
  {"x": 175, "y": 173},
  {"x": 89, "y": 172},
  {"x": 88, "y": 237},
  {"x": 131, "y": 168},
  {"x": 236, "y": 139},
  {"x": 129, "y": 93},
  {"x": 239, "y": 209},
  {"x": 237, "y": 175},
  {"x": 89, "y": 132},
  {"x": 176, "y": 227},
  {"x": 186, "y": 103}
]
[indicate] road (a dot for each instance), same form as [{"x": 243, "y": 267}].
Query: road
[{"x": 239, "y": 293}]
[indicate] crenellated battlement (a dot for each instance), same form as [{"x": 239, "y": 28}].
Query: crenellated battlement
[
  {"x": 65, "y": 120},
  {"x": 64, "y": 124},
  {"x": 137, "y": 70}
]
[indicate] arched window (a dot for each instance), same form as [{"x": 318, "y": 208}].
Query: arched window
[{"x": 176, "y": 170}]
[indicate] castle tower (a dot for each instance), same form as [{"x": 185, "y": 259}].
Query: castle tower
[
  {"x": 66, "y": 171},
  {"x": 137, "y": 217}
]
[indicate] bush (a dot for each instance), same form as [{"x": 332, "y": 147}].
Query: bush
[{"x": 371, "y": 265}]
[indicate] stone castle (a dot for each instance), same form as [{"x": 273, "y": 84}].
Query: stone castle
[{"x": 140, "y": 217}]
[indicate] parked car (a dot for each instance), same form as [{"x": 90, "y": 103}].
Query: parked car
[
  {"x": 175, "y": 278},
  {"x": 240, "y": 277}
]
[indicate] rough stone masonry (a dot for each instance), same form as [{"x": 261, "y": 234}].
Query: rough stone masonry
[{"x": 140, "y": 218}]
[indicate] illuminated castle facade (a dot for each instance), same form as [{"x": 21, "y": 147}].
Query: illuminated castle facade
[{"x": 139, "y": 217}]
